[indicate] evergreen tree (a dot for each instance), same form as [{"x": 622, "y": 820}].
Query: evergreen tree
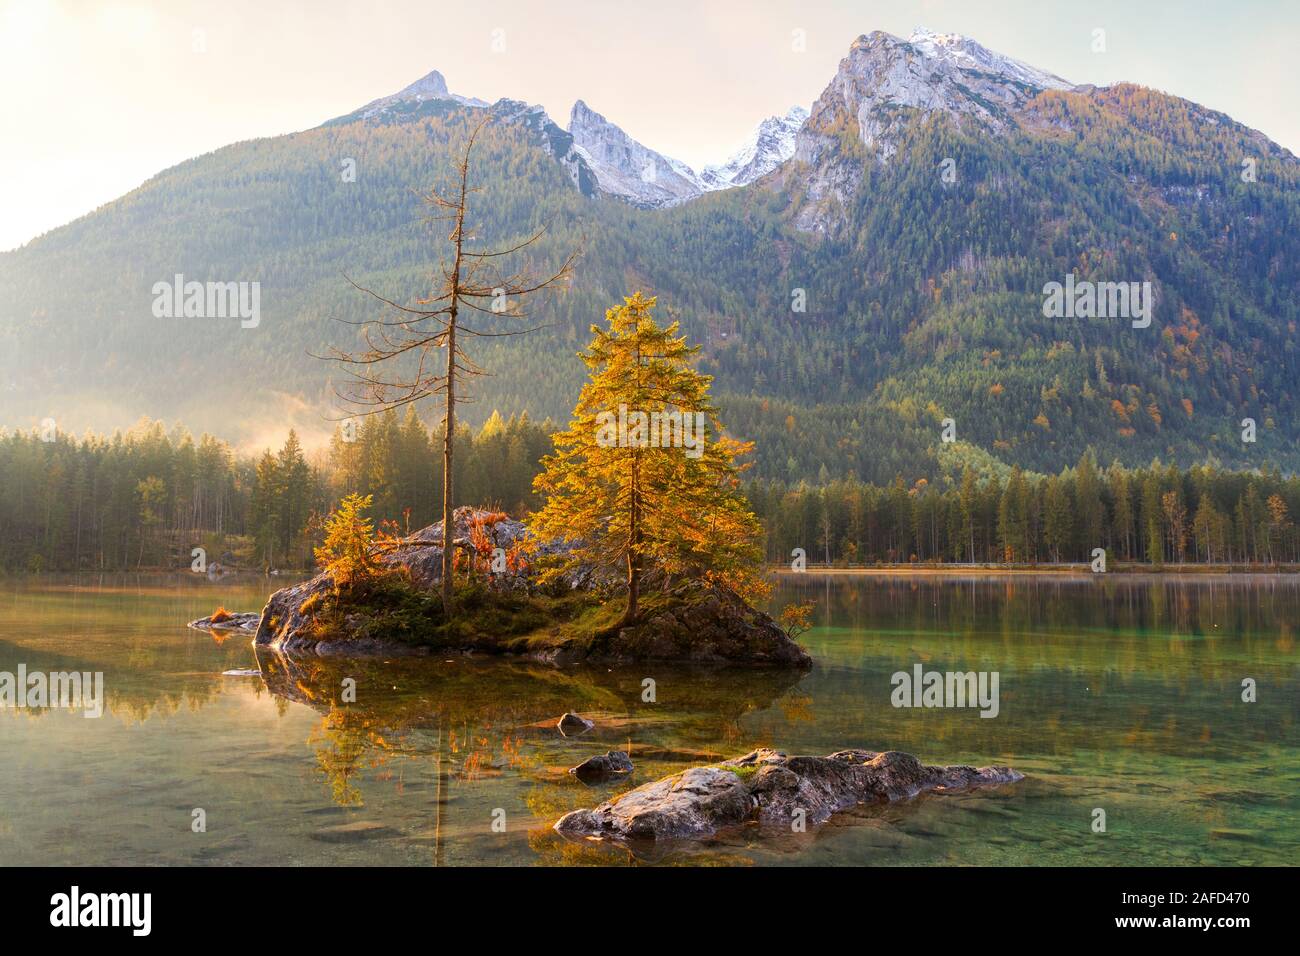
[
  {"x": 265, "y": 511},
  {"x": 1088, "y": 504},
  {"x": 1057, "y": 524},
  {"x": 292, "y": 488},
  {"x": 1152, "y": 519}
]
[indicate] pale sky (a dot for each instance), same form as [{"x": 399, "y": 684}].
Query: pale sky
[{"x": 98, "y": 95}]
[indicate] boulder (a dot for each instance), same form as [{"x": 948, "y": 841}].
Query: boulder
[
  {"x": 241, "y": 621},
  {"x": 701, "y": 623},
  {"x": 770, "y": 788},
  {"x": 421, "y": 551},
  {"x": 615, "y": 763},
  {"x": 282, "y": 623},
  {"x": 571, "y": 725}
]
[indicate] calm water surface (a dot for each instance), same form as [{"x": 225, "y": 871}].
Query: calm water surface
[{"x": 1122, "y": 693}]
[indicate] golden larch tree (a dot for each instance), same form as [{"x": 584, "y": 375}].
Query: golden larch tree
[{"x": 643, "y": 477}]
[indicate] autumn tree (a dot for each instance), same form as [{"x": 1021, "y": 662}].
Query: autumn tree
[
  {"x": 622, "y": 490},
  {"x": 471, "y": 282},
  {"x": 1277, "y": 522},
  {"x": 348, "y": 550},
  {"x": 796, "y": 619}
]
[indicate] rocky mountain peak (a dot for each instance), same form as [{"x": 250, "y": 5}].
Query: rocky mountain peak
[
  {"x": 885, "y": 79},
  {"x": 770, "y": 145},
  {"x": 885, "y": 84},
  {"x": 431, "y": 86},
  {"x": 627, "y": 169}
]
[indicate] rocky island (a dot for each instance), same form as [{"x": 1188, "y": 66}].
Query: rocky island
[{"x": 511, "y": 611}]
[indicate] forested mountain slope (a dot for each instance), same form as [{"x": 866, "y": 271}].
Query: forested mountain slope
[{"x": 926, "y": 206}]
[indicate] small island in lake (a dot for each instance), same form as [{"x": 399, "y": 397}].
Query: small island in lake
[{"x": 397, "y": 608}]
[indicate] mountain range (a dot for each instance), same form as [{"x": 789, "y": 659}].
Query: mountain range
[
  {"x": 637, "y": 174},
  {"x": 856, "y": 273},
  {"x": 615, "y": 163}
]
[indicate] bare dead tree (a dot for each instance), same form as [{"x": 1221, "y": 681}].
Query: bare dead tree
[{"x": 471, "y": 281}]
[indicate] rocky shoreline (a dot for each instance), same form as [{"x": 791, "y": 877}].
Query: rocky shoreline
[{"x": 771, "y": 789}]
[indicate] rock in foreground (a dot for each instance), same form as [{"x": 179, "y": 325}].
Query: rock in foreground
[
  {"x": 615, "y": 763},
  {"x": 768, "y": 787}
]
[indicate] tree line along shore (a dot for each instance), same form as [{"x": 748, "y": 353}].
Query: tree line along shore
[{"x": 148, "y": 495}]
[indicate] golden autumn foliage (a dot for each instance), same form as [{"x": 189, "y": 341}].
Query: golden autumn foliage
[
  {"x": 640, "y": 504},
  {"x": 347, "y": 552},
  {"x": 795, "y": 619}
]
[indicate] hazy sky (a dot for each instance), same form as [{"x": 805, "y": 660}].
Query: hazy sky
[{"x": 99, "y": 96}]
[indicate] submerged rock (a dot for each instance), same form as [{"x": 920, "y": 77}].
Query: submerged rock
[
  {"x": 770, "y": 788},
  {"x": 616, "y": 763},
  {"x": 354, "y": 832},
  {"x": 571, "y": 725}
]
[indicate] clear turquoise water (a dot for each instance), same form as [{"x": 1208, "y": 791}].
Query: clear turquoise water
[{"x": 1119, "y": 693}]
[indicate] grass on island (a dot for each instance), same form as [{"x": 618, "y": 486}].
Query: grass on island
[
  {"x": 390, "y": 607},
  {"x": 370, "y": 601}
]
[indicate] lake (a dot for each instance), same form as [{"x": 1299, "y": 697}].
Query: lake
[{"x": 1116, "y": 693}]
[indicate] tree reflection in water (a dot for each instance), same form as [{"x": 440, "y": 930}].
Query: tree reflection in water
[{"x": 477, "y": 720}]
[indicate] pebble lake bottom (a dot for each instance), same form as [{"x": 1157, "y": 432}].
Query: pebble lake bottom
[{"x": 1121, "y": 694}]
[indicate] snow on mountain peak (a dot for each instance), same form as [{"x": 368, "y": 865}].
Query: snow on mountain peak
[
  {"x": 884, "y": 79},
  {"x": 770, "y": 145},
  {"x": 966, "y": 54},
  {"x": 882, "y": 82},
  {"x": 633, "y": 172}
]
